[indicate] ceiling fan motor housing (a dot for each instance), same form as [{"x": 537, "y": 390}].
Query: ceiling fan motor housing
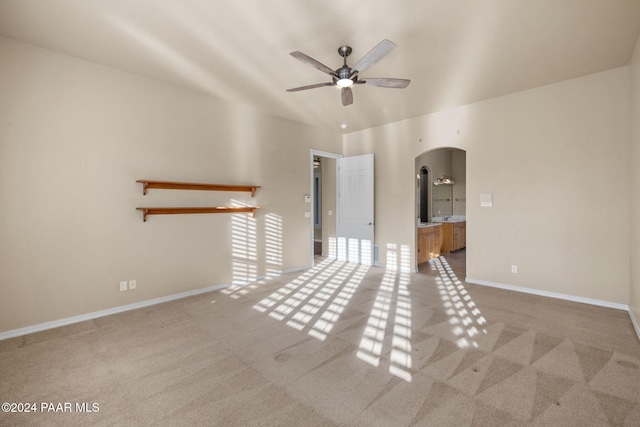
[{"x": 345, "y": 73}]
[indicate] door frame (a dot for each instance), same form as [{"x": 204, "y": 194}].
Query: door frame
[{"x": 312, "y": 154}]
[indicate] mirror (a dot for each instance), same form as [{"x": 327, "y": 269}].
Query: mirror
[{"x": 442, "y": 200}]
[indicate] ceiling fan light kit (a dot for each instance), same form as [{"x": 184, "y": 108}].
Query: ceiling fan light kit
[
  {"x": 345, "y": 77},
  {"x": 344, "y": 82}
]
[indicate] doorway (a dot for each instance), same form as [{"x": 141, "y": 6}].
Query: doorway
[
  {"x": 317, "y": 206},
  {"x": 322, "y": 209},
  {"x": 424, "y": 195},
  {"x": 441, "y": 203}
]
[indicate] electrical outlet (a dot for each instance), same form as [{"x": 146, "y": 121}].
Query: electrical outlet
[
  {"x": 514, "y": 269},
  {"x": 123, "y": 286},
  {"x": 132, "y": 284}
]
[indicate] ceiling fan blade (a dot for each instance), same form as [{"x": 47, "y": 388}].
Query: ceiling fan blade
[
  {"x": 296, "y": 89},
  {"x": 390, "y": 83},
  {"x": 347, "y": 96},
  {"x": 318, "y": 65},
  {"x": 374, "y": 55}
]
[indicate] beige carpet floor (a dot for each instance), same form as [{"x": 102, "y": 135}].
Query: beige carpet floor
[{"x": 341, "y": 344}]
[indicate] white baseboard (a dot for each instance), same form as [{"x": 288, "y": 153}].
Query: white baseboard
[
  {"x": 96, "y": 314},
  {"x": 549, "y": 294},
  {"x": 296, "y": 269},
  {"x": 635, "y": 323}
]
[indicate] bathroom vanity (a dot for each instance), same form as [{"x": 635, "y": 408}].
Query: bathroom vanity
[
  {"x": 429, "y": 241},
  {"x": 453, "y": 233}
]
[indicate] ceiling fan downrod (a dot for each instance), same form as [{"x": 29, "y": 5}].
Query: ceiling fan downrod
[{"x": 344, "y": 73}]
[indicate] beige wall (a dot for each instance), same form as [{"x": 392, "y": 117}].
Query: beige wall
[
  {"x": 563, "y": 146},
  {"x": 635, "y": 184},
  {"x": 74, "y": 138}
]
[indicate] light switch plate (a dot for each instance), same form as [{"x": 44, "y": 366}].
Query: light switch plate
[
  {"x": 307, "y": 198},
  {"x": 486, "y": 200}
]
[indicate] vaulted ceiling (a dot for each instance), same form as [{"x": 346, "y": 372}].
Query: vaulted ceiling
[{"x": 454, "y": 51}]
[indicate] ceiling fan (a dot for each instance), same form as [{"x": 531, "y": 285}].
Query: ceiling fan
[{"x": 345, "y": 77}]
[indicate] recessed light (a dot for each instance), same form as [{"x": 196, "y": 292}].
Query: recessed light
[{"x": 344, "y": 126}]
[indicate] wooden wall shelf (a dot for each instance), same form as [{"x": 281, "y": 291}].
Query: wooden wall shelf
[
  {"x": 167, "y": 185},
  {"x": 175, "y": 211}
]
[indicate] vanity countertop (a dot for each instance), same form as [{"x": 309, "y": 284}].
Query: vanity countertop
[
  {"x": 454, "y": 218},
  {"x": 427, "y": 224}
]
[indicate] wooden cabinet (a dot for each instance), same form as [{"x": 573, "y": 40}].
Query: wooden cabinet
[
  {"x": 454, "y": 236},
  {"x": 428, "y": 243},
  {"x": 459, "y": 235}
]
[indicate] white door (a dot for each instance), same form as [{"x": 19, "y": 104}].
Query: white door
[{"x": 354, "y": 206}]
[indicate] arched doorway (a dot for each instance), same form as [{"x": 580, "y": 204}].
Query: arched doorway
[{"x": 441, "y": 201}]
